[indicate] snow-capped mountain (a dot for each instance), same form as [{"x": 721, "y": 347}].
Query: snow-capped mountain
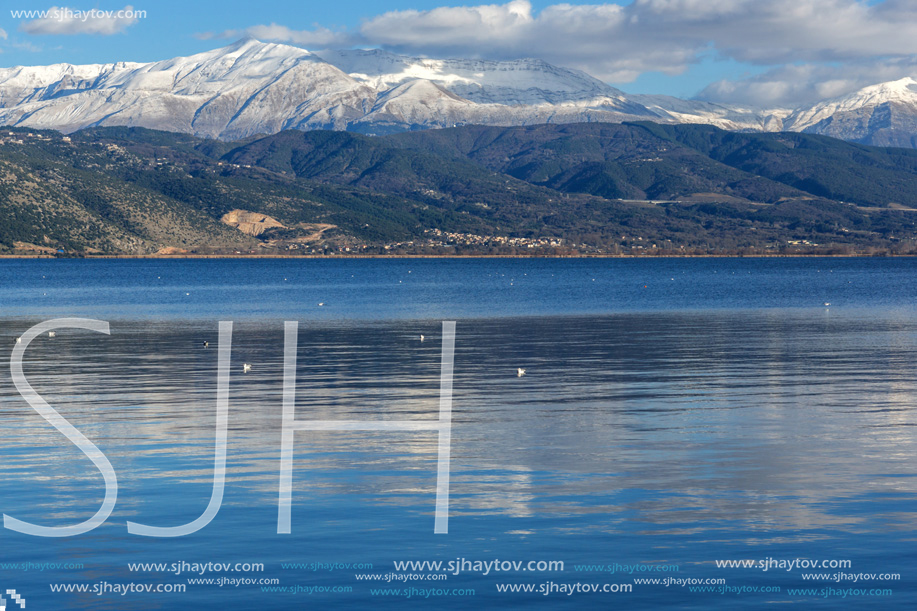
[
  {"x": 734, "y": 118},
  {"x": 513, "y": 83},
  {"x": 243, "y": 89},
  {"x": 26, "y": 83},
  {"x": 882, "y": 115},
  {"x": 251, "y": 88}
]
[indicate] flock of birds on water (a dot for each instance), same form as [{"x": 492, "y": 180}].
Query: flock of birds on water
[{"x": 246, "y": 367}]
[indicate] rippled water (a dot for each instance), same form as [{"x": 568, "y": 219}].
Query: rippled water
[{"x": 672, "y": 412}]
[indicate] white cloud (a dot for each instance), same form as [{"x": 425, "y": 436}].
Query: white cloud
[
  {"x": 3, "y": 34},
  {"x": 66, "y": 21},
  {"x": 318, "y": 38},
  {"x": 618, "y": 43},
  {"x": 802, "y": 85},
  {"x": 612, "y": 41}
]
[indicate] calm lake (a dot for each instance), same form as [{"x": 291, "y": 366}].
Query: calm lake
[{"x": 674, "y": 414}]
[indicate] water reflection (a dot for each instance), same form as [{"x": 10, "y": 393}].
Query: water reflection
[{"x": 662, "y": 423}]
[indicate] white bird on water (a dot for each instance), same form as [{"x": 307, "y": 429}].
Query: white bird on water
[
  {"x": 18, "y": 340},
  {"x": 206, "y": 344},
  {"x": 520, "y": 372},
  {"x": 827, "y": 304},
  {"x": 321, "y": 304},
  {"x": 51, "y": 333},
  {"x": 246, "y": 368},
  {"x": 421, "y": 338}
]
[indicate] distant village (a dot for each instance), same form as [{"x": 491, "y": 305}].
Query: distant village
[
  {"x": 435, "y": 241},
  {"x": 8, "y": 137}
]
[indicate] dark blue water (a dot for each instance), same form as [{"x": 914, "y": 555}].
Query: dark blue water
[
  {"x": 386, "y": 289},
  {"x": 674, "y": 413}
]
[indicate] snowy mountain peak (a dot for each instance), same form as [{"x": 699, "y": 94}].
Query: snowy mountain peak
[
  {"x": 249, "y": 49},
  {"x": 212, "y": 71},
  {"x": 251, "y": 87},
  {"x": 860, "y": 103},
  {"x": 903, "y": 90},
  {"x": 515, "y": 82},
  {"x": 884, "y": 114},
  {"x": 246, "y": 88}
]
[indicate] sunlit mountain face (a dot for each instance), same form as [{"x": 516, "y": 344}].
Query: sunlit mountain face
[{"x": 251, "y": 88}]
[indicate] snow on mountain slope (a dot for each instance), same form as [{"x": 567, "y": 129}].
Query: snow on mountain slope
[
  {"x": 25, "y": 83},
  {"x": 251, "y": 87},
  {"x": 903, "y": 91},
  {"x": 518, "y": 82},
  {"x": 881, "y": 115},
  {"x": 733, "y": 118},
  {"x": 240, "y": 90}
]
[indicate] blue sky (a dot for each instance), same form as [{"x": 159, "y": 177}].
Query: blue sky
[{"x": 763, "y": 52}]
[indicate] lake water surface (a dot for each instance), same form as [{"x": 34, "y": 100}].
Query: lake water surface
[{"x": 674, "y": 413}]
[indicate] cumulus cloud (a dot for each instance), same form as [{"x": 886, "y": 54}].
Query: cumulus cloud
[
  {"x": 660, "y": 35},
  {"x": 61, "y": 20},
  {"x": 618, "y": 43}
]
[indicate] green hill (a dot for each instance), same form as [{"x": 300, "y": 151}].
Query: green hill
[{"x": 553, "y": 189}]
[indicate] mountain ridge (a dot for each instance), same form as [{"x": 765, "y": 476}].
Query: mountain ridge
[{"x": 254, "y": 88}]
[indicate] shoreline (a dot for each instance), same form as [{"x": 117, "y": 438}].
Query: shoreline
[{"x": 408, "y": 256}]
